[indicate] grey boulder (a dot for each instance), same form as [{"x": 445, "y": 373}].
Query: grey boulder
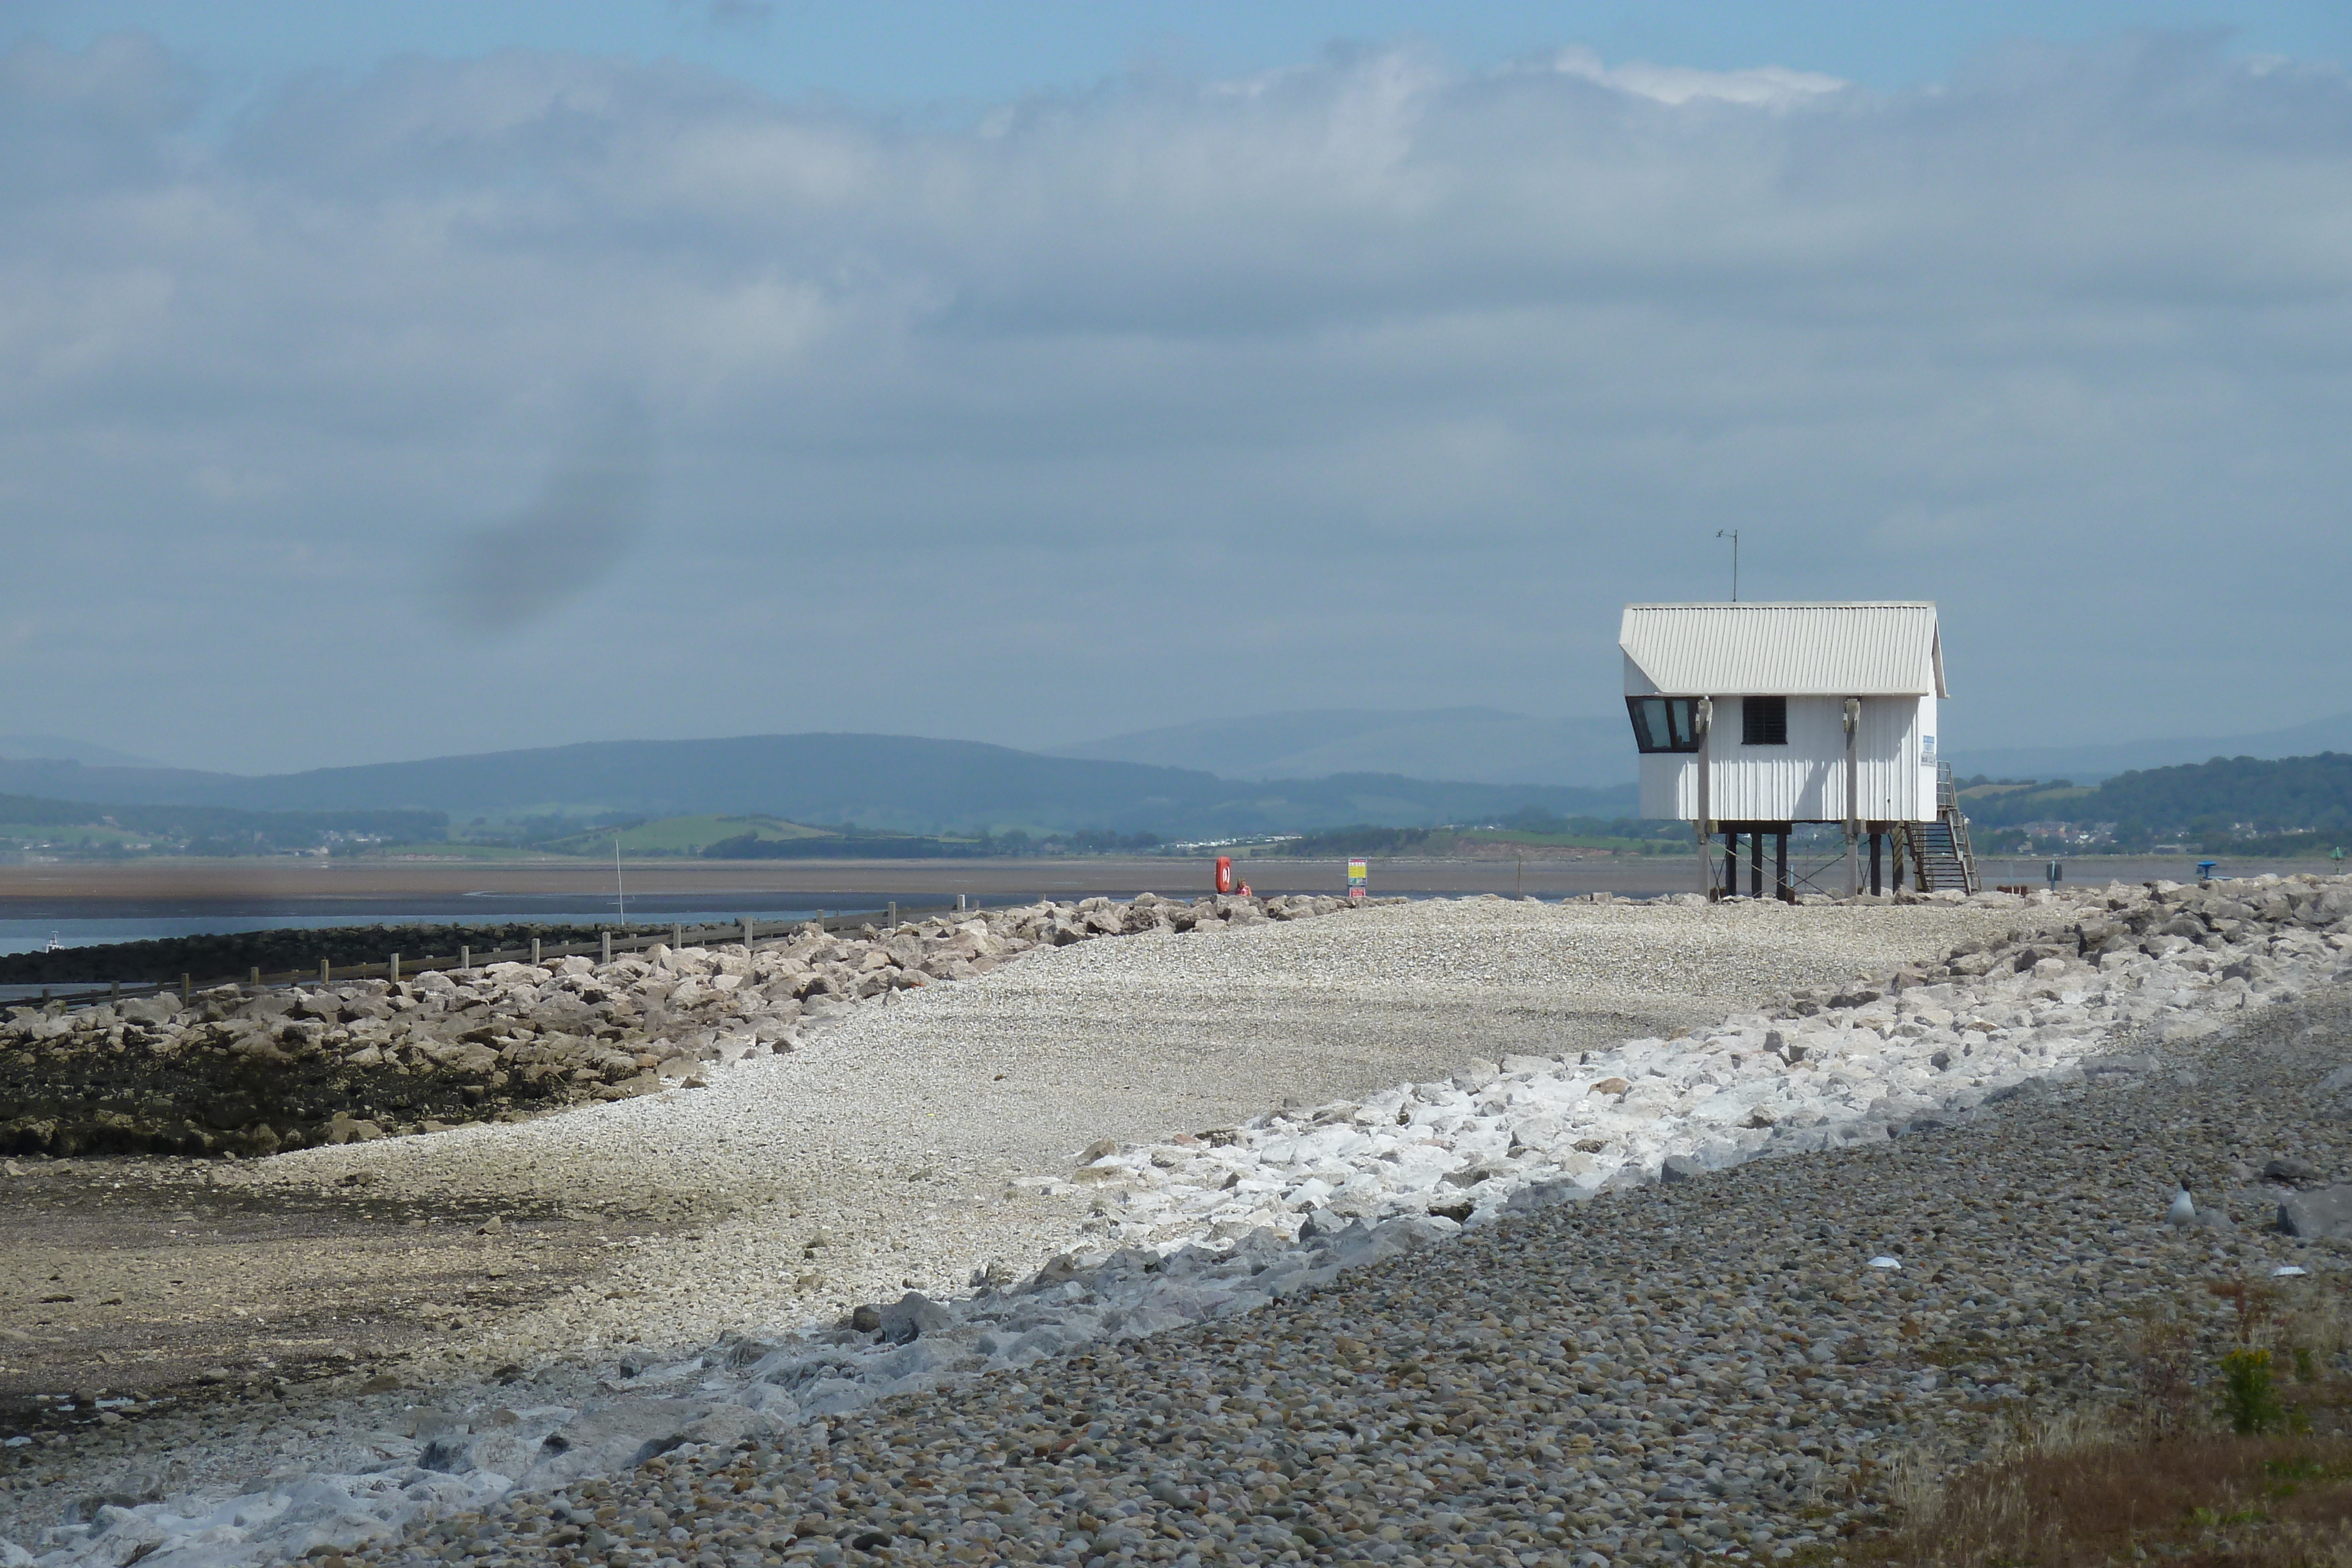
[
  {"x": 2323, "y": 1211},
  {"x": 910, "y": 1317},
  {"x": 620, "y": 1435}
]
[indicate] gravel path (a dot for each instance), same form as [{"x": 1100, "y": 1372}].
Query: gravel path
[
  {"x": 880, "y": 1156},
  {"x": 1713, "y": 1365}
]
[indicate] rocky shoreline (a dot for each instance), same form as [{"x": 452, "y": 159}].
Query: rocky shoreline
[
  {"x": 215, "y": 956},
  {"x": 1751, "y": 1367},
  {"x": 234, "y": 1073},
  {"x": 1829, "y": 1233}
]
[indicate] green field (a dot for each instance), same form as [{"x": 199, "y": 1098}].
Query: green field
[
  {"x": 1555, "y": 841},
  {"x": 683, "y": 835},
  {"x": 442, "y": 849},
  {"x": 2012, "y": 795},
  {"x": 92, "y": 836}
]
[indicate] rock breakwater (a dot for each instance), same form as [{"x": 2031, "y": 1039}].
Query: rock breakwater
[
  {"x": 1900, "y": 1048},
  {"x": 230, "y": 1071},
  {"x": 215, "y": 956}
]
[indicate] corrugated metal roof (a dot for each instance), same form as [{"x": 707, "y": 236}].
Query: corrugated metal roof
[{"x": 1785, "y": 650}]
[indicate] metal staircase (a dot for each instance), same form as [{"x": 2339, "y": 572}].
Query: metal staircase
[{"x": 1941, "y": 857}]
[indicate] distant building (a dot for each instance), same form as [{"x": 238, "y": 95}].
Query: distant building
[{"x": 1752, "y": 718}]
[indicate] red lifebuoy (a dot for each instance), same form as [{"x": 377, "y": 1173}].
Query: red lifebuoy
[{"x": 1224, "y": 874}]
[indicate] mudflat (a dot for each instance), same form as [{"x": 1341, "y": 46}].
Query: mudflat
[{"x": 139, "y": 1280}]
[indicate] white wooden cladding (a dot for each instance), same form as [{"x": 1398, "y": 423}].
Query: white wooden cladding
[
  {"x": 1791, "y": 650},
  {"x": 1804, "y": 782}
]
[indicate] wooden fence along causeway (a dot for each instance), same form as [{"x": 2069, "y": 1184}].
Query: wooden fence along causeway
[{"x": 397, "y": 965}]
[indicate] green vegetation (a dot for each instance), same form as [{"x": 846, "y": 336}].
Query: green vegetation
[
  {"x": 2238, "y": 807},
  {"x": 851, "y": 843},
  {"x": 77, "y": 830},
  {"x": 683, "y": 835},
  {"x": 2228, "y": 1469},
  {"x": 1981, "y": 788},
  {"x": 1529, "y": 828},
  {"x": 713, "y": 836},
  {"x": 439, "y": 850},
  {"x": 1360, "y": 840},
  {"x": 1624, "y": 842},
  {"x": 2249, "y": 1397}
]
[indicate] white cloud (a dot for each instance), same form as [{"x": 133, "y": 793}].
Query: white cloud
[
  {"x": 1367, "y": 381},
  {"x": 1769, "y": 87}
]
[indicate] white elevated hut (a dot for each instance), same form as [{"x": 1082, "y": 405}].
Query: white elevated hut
[{"x": 1752, "y": 718}]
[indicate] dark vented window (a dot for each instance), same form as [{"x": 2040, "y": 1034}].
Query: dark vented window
[
  {"x": 1764, "y": 721},
  {"x": 1664, "y": 724}
]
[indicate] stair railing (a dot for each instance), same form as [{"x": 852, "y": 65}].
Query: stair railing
[{"x": 1955, "y": 824}]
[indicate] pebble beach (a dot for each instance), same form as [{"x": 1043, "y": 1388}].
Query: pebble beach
[{"x": 1463, "y": 1231}]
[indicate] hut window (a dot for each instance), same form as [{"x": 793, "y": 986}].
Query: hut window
[
  {"x": 1764, "y": 721},
  {"x": 1664, "y": 724}
]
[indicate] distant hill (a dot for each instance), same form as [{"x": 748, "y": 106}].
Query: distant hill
[
  {"x": 2089, "y": 764},
  {"x": 2235, "y": 805},
  {"x": 63, "y": 749},
  {"x": 895, "y": 783},
  {"x": 1480, "y": 744}
]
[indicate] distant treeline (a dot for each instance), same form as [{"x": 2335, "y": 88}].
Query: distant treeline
[
  {"x": 849, "y": 844},
  {"x": 230, "y": 955},
  {"x": 1531, "y": 825},
  {"x": 222, "y": 830},
  {"x": 2238, "y": 805}
]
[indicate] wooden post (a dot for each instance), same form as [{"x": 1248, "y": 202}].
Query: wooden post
[
  {"x": 534, "y": 952},
  {"x": 326, "y": 973},
  {"x": 959, "y": 903},
  {"x": 1898, "y": 844},
  {"x": 114, "y": 991},
  {"x": 1703, "y": 716},
  {"x": 1782, "y": 890},
  {"x": 187, "y": 990},
  {"x": 605, "y": 941},
  {"x": 747, "y": 935},
  {"x": 1878, "y": 841},
  {"x": 465, "y": 958},
  {"x": 1853, "y": 796},
  {"x": 894, "y": 914},
  {"x": 676, "y": 936},
  {"x": 1755, "y": 865}
]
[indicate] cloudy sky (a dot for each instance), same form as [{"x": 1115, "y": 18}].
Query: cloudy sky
[{"x": 482, "y": 376}]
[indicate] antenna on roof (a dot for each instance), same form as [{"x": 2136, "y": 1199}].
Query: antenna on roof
[{"x": 1733, "y": 535}]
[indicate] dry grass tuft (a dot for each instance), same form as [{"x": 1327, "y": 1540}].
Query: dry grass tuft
[{"x": 2217, "y": 1501}]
